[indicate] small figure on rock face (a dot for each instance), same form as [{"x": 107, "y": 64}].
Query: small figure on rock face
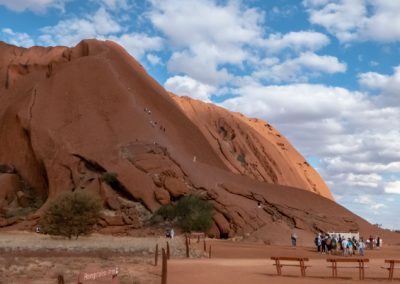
[
  {"x": 293, "y": 238},
  {"x": 194, "y": 158},
  {"x": 259, "y": 204}
]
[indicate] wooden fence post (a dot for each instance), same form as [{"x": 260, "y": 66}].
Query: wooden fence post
[
  {"x": 205, "y": 246},
  {"x": 168, "y": 254},
  {"x": 209, "y": 252},
  {"x": 60, "y": 279},
  {"x": 187, "y": 247},
  {"x": 156, "y": 256},
  {"x": 164, "y": 268}
]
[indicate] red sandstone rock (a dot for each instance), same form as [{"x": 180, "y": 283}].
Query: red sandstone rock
[
  {"x": 113, "y": 203},
  {"x": 222, "y": 224},
  {"x": 72, "y": 116},
  {"x": 114, "y": 220},
  {"x": 175, "y": 187},
  {"x": 9, "y": 186},
  {"x": 162, "y": 196}
]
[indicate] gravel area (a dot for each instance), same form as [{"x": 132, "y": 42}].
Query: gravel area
[
  {"x": 27, "y": 241},
  {"x": 27, "y": 257}
]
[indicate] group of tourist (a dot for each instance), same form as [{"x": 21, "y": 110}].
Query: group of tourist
[{"x": 337, "y": 244}]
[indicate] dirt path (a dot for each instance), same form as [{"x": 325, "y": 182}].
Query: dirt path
[
  {"x": 250, "y": 263},
  {"x": 239, "y": 271},
  {"x": 34, "y": 258}
]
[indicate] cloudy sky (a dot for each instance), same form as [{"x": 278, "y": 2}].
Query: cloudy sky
[{"x": 326, "y": 73}]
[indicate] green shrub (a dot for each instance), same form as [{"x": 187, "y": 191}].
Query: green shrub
[
  {"x": 71, "y": 214},
  {"x": 242, "y": 159},
  {"x": 109, "y": 177},
  {"x": 191, "y": 213},
  {"x": 168, "y": 212},
  {"x": 17, "y": 212}
]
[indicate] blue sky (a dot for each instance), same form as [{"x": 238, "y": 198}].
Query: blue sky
[{"x": 325, "y": 73}]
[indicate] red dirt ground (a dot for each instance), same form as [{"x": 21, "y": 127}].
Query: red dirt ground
[{"x": 250, "y": 263}]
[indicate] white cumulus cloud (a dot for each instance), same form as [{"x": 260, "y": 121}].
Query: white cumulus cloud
[
  {"x": 393, "y": 187},
  {"x": 186, "y": 86},
  {"x": 301, "y": 68},
  {"x": 355, "y": 20},
  {"x": 16, "y": 38},
  {"x": 70, "y": 31},
  {"x": 101, "y": 25},
  {"x": 137, "y": 44},
  {"x": 388, "y": 85},
  {"x": 207, "y": 34},
  {"x": 153, "y": 59},
  {"x": 298, "y": 41},
  {"x": 356, "y": 138},
  {"x": 33, "y": 5}
]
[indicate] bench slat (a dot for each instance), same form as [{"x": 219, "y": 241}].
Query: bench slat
[
  {"x": 346, "y": 266},
  {"x": 290, "y": 258},
  {"x": 392, "y": 260},
  {"x": 282, "y": 264},
  {"x": 347, "y": 260},
  {"x": 301, "y": 264}
]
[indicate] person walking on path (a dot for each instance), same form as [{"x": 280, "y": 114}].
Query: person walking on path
[
  {"x": 361, "y": 247},
  {"x": 293, "y": 238},
  {"x": 318, "y": 242}
]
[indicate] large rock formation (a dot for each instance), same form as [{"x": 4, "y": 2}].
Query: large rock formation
[
  {"x": 253, "y": 147},
  {"x": 72, "y": 117}
]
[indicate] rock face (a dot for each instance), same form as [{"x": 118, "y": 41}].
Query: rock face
[
  {"x": 72, "y": 117},
  {"x": 252, "y": 147}
]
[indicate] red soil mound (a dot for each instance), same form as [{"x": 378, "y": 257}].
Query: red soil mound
[{"x": 71, "y": 116}]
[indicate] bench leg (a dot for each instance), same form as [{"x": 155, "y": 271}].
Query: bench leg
[
  {"x": 361, "y": 268},
  {"x": 302, "y": 269},
  {"x": 391, "y": 271},
  {"x": 334, "y": 270},
  {"x": 278, "y": 267},
  {"x": 363, "y": 272}
]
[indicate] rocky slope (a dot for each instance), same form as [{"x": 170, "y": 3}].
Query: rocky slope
[
  {"x": 252, "y": 147},
  {"x": 71, "y": 117}
]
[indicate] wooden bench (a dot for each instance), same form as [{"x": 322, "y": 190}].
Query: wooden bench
[
  {"x": 301, "y": 264},
  {"x": 361, "y": 265},
  {"x": 392, "y": 267}
]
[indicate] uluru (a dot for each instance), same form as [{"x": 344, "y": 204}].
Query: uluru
[{"x": 71, "y": 116}]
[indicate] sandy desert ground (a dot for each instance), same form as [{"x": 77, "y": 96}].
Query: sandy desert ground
[{"x": 35, "y": 258}]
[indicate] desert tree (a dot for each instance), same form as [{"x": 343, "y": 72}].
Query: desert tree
[
  {"x": 71, "y": 214},
  {"x": 190, "y": 213}
]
